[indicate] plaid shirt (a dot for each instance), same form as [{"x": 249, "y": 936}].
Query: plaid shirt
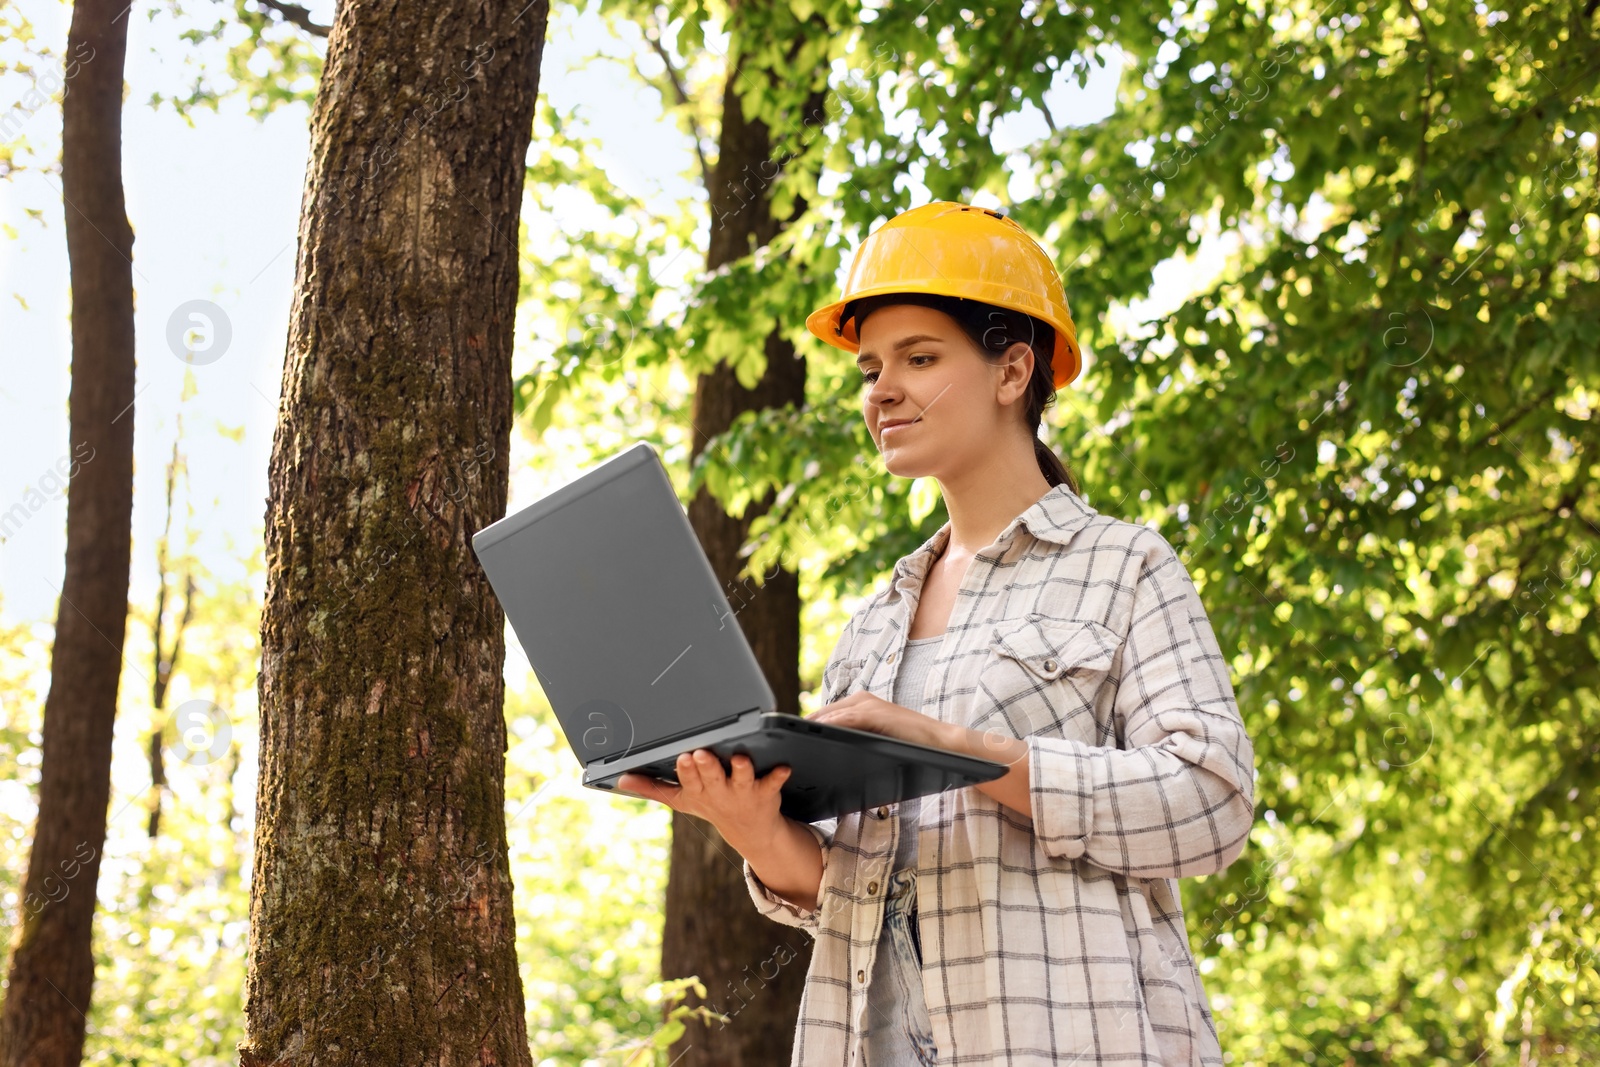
[{"x": 1056, "y": 936}]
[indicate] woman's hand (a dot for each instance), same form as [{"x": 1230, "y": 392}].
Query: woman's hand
[
  {"x": 741, "y": 806},
  {"x": 863, "y": 711}
]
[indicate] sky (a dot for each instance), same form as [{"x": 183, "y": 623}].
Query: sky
[{"x": 214, "y": 204}]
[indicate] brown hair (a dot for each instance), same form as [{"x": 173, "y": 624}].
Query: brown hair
[{"x": 993, "y": 330}]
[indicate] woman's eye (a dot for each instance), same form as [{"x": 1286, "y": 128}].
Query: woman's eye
[{"x": 868, "y": 377}]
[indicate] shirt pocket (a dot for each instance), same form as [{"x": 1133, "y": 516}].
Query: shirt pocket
[{"x": 1046, "y": 676}]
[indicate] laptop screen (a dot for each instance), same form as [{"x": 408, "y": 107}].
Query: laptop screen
[{"x": 619, "y": 611}]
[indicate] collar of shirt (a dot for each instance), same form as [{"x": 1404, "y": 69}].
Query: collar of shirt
[{"x": 1056, "y": 516}]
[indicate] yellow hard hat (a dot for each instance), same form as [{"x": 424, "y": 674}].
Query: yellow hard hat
[{"x": 950, "y": 249}]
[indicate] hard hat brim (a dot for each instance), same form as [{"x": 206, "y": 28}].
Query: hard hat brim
[{"x": 1066, "y": 361}]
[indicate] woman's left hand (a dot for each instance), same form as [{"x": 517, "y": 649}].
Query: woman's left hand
[{"x": 863, "y": 711}]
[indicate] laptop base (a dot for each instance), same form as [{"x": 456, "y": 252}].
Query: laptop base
[{"x": 835, "y": 770}]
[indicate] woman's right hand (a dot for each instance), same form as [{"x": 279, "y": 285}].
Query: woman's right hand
[{"x": 741, "y": 806}]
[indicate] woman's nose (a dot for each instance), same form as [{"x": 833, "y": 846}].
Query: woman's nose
[{"x": 883, "y": 388}]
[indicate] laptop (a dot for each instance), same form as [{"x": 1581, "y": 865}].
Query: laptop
[{"x": 642, "y": 658}]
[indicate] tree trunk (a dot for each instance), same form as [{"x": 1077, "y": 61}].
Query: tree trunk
[
  {"x": 753, "y": 969},
  {"x": 51, "y": 974},
  {"x": 164, "y": 658},
  {"x": 381, "y": 926}
]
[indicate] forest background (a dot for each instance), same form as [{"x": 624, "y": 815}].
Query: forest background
[{"x": 1334, "y": 267}]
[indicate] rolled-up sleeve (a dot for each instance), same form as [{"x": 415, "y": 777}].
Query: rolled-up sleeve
[
  {"x": 835, "y": 678},
  {"x": 1179, "y": 799},
  {"x": 780, "y": 910}
]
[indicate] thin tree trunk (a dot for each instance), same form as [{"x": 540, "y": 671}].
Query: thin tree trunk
[
  {"x": 753, "y": 969},
  {"x": 381, "y": 926},
  {"x": 51, "y": 973},
  {"x": 164, "y": 659}
]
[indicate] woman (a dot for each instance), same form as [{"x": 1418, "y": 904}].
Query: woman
[{"x": 1033, "y": 919}]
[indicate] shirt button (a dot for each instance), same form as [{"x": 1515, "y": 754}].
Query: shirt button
[
  {"x": 883, "y": 813},
  {"x": 861, "y": 976},
  {"x": 1049, "y": 664},
  {"x": 872, "y": 887},
  {"x": 890, "y": 658}
]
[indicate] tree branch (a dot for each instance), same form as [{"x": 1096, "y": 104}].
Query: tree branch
[
  {"x": 679, "y": 91},
  {"x": 297, "y": 15},
  {"x": 1501, "y": 429},
  {"x": 1427, "y": 90}
]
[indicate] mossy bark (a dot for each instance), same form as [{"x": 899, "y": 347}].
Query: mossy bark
[
  {"x": 51, "y": 972},
  {"x": 381, "y": 926},
  {"x": 753, "y": 969}
]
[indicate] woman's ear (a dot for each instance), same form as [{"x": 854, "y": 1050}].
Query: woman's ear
[{"x": 1016, "y": 370}]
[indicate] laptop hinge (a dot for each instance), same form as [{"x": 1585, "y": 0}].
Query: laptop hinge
[{"x": 728, "y": 720}]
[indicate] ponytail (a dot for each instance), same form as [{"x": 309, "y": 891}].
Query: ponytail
[{"x": 1055, "y": 472}]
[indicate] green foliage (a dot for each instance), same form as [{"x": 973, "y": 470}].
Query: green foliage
[
  {"x": 171, "y": 928},
  {"x": 24, "y": 676},
  {"x": 1389, "y": 526},
  {"x": 171, "y": 931},
  {"x": 592, "y": 293},
  {"x": 1391, "y": 206},
  {"x": 590, "y": 876},
  {"x": 659, "y": 1044},
  {"x": 34, "y": 79},
  {"x": 1366, "y": 418},
  {"x": 268, "y": 62}
]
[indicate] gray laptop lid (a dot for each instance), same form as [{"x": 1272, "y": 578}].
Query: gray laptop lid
[{"x": 619, "y": 611}]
